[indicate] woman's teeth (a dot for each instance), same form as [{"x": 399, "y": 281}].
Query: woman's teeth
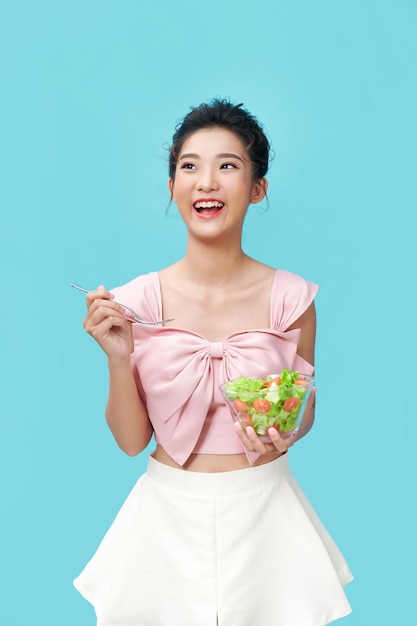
[{"x": 208, "y": 205}]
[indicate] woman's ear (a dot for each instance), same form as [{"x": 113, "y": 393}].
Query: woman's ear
[
  {"x": 171, "y": 188},
  {"x": 259, "y": 189}
]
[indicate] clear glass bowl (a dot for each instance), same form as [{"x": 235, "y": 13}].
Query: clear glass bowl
[{"x": 268, "y": 401}]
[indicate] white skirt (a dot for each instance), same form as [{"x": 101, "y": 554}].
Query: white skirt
[{"x": 240, "y": 548}]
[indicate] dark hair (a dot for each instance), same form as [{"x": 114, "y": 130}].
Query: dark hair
[{"x": 223, "y": 114}]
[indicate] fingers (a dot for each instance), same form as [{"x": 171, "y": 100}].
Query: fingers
[
  {"x": 99, "y": 322},
  {"x": 250, "y": 439},
  {"x": 100, "y": 293},
  {"x": 100, "y": 306},
  {"x": 102, "y": 309},
  {"x": 280, "y": 444},
  {"x": 107, "y": 323},
  {"x": 103, "y": 314},
  {"x": 253, "y": 443}
]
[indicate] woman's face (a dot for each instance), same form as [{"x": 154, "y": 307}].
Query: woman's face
[{"x": 213, "y": 184}]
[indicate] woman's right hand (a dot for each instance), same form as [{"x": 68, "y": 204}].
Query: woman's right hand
[{"x": 107, "y": 324}]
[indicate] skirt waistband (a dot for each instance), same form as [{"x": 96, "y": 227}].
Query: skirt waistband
[{"x": 218, "y": 483}]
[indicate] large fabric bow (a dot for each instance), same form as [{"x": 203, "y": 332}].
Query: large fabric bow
[{"x": 177, "y": 371}]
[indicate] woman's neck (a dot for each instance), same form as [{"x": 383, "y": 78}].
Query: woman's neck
[{"x": 214, "y": 264}]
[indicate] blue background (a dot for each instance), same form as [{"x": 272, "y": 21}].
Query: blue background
[{"x": 91, "y": 92}]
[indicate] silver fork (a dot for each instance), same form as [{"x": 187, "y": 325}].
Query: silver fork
[{"x": 135, "y": 317}]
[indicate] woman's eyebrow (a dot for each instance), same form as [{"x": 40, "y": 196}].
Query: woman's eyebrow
[
  {"x": 230, "y": 155},
  {"x": 223, "y": 155},
  {"x": 189, "y": 155}
]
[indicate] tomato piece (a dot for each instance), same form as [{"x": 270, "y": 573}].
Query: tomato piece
[
  {"x": 300, "y": 381},
  {"x": 261, "y": 405},
  {"x": 276, "y": 380},
  {"x": 239, "y": 405},
  {"x": 290, "y": 404}
]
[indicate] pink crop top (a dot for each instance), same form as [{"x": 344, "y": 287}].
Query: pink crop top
[{"x": 178, "y": 372}]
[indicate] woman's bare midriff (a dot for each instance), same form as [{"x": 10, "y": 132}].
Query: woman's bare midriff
[{"x": 213, "y": 462}]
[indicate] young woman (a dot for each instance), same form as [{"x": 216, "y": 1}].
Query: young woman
[{"x": 217, "y": 531}]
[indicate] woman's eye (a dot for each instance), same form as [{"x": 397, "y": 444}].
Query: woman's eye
[
  {"x": 228, "y": 166},
  {"x": 187, "y": 166}
]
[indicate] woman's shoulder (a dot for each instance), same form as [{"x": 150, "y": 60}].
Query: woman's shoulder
[
  {"x": 138, "y": 281},
  {"x": 291, "y": 296},
  {"x": 142, "y": 293},
  {"x": 289, "y": 280}
]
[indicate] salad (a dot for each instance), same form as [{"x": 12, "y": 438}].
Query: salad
[{"x": 272, "y": 401}]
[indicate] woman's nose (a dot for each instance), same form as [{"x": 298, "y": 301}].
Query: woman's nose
[{"x": 207, "y": 180}]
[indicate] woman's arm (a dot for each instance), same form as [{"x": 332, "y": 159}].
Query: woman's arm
[
  {"x": 125, "y": 412},
  {"x": 306, "y": 350}
]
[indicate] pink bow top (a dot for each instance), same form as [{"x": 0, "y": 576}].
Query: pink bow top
[{"x": 178, "y": 372}]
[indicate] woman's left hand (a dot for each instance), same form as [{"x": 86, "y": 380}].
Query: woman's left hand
[{"x": 252, "y": 442}]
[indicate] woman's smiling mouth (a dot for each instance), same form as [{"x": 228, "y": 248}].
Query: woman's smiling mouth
[{"x": 208, "y": 208}]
